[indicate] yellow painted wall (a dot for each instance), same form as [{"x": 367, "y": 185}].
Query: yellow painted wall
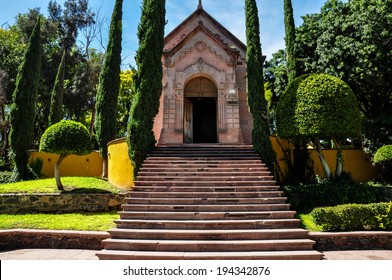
[
  {"x": 120, "y": 166},
  {"x": 121, "y": 171},
  {"x": 87, "y": 166},
  {"x": 356, "y": 161}
]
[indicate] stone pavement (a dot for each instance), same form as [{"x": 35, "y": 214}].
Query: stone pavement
[{"x": 59, "y": 254}]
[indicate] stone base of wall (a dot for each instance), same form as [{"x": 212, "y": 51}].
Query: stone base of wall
[
  {"x": 45, "y": 239},
  {"x": 87, "y": 240},
  {"x": 59, "y": 203},
  {"x": 339, "y": 241}
]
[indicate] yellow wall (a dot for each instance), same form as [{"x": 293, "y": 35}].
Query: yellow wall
[
  {"x": 88, "y": 166},
  {"x": 356, "y": 161},
  {"x": 120, "y": 172},
  {"x": 120, "y": 166}
]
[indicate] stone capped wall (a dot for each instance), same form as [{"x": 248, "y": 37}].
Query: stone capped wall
[{"x": 59, "y": 203}]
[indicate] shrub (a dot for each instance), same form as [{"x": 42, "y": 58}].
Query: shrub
[
  {"x": 349, "y": 217},
  {"x": 331, "y": 193},
  {"x": 383, "y": 158}
]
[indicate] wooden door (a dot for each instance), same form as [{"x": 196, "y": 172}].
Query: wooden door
[{"x": 188, "y": 120}]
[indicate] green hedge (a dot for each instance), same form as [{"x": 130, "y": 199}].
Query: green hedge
[
  {"x": 350, "y": 217},
  {"x": 332, "y": 193}
]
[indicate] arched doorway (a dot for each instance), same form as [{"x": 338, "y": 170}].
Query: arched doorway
[{"x": 200, "y": 111}]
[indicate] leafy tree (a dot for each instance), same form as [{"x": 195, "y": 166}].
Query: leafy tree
[
  {"x": 65, "y": 138},
  {"x": 109, "y": 85},
  {"x": 319, "y": 106},
  {"x": 148, "y": 81},
  {"x": 23, "y": 111},
  {"x": 56, "y": 102},
  {"x": 125, "y": 97},
  {"x": 255, "y": 86},
  {"x": 383, "y": 158},
  {"x": 75, "y": 16},
  {"x": 353, "y": 41}
]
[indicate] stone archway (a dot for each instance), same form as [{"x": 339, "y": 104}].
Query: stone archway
[{"x": 200, "y": 111}]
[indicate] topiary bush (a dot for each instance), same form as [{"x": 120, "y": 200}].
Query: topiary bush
[
  {"x": 350, "y": 217},
  {"x": 319, "y": 106},
  {"x": 383, "y": 158},
  {"x": 65, "y": 138}
]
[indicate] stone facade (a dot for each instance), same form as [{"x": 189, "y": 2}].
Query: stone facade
[
  {"x": 59, "y": 203},
  {"x": 204, "y": 89}
]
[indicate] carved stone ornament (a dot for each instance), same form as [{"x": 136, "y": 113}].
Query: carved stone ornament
[
  {"x": 200, "y": 65},
  {"x": 177, "y": 85},
  {"x": 200, "y": 46}
]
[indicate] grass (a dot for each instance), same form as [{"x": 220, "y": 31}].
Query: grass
[
  {"x": 307, "y": 222},
  {"x": 71, "y": 184},
  {"x": 75, "y": 221}
]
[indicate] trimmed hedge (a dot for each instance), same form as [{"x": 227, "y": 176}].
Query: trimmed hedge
[
  {"x": 332, "y": 193},
  {"x": 350, "y": 217}
]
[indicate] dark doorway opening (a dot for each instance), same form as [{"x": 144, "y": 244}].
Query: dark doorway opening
[{"x": 204, "y": 120}]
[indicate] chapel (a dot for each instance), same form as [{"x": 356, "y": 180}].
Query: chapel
[{"x": 204, "y": 96}]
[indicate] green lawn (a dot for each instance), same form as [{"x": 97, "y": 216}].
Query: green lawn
[
  {"x": 76, "y": 221},
  {"x": 308, "y": 223},
  {"x": 72, "y": 184}
]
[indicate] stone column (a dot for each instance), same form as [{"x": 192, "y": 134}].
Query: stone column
[{"x": 179, "y": 119}]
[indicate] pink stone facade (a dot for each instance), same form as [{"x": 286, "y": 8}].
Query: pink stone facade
[{"x": 204, "y": 89}]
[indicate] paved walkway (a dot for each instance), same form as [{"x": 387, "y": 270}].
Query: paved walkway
[{"x": 57, "y": 254}]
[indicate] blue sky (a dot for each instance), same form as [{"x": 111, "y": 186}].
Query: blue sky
[{"x": 229, "y": 13}]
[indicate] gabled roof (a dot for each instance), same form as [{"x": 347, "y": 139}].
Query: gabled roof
[
  {"x": 200, "y": 11},
  {"x": 201, "y": 28}
]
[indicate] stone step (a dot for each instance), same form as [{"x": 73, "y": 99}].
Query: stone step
[
  {"x": 206, "y": 208},
  {"x": 216, "y": 170},
  {"x": 206, "y": 183},
  {"x": 207, "y": 174},
  {"x": 170, "y": 234},
  {"x": 216, "y": 189},
  {"x": 200, "y": 194},
  {"x": 207, "y": 245},
  {"x": 205, "y": 201},
  {"x": 209, "y": 224},
  {"x": 205, "y": 160},
  {"x": 202, "y": 165},
  {"x": 206, "y": 215},
  {"x": 254, "y": 255},
  {"x": 204, "y": 178}
]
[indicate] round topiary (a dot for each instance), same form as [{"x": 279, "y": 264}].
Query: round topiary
[
  {"x": 383, "y": 158},
  {"x": 319, "y": 106},
  {"x": 383, "y": 155},
  {"x": 65, "y": 138}
]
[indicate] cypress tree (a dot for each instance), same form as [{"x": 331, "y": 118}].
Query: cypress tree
[
  {"x": 290, "y": 40},
  {"x": 109, "y": 86},
  {"x": 147, "y": 81},
  {"x": 56, "y": 101},
  {"x": 23, "y": 108},
  {"x": 255, "y": 86}
]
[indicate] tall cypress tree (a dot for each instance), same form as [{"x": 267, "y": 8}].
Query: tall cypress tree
[
  {"x": 290, "y": 40},
  {"x": 147, "y": 81},
  {"x": 255, "y": 86},
  {"x": 56, "y": 101},
  {"x": 109, "y": 86},
  {"x": 23, "y": 108}
]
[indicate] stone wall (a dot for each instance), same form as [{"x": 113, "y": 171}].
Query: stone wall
[
  {"x": 59, "y": 203},
  {"x": 339, "y": 241},
  {"x": 51, "y": 239}
]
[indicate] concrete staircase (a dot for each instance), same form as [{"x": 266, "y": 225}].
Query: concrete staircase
[{"x": 210, "y": 202}]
